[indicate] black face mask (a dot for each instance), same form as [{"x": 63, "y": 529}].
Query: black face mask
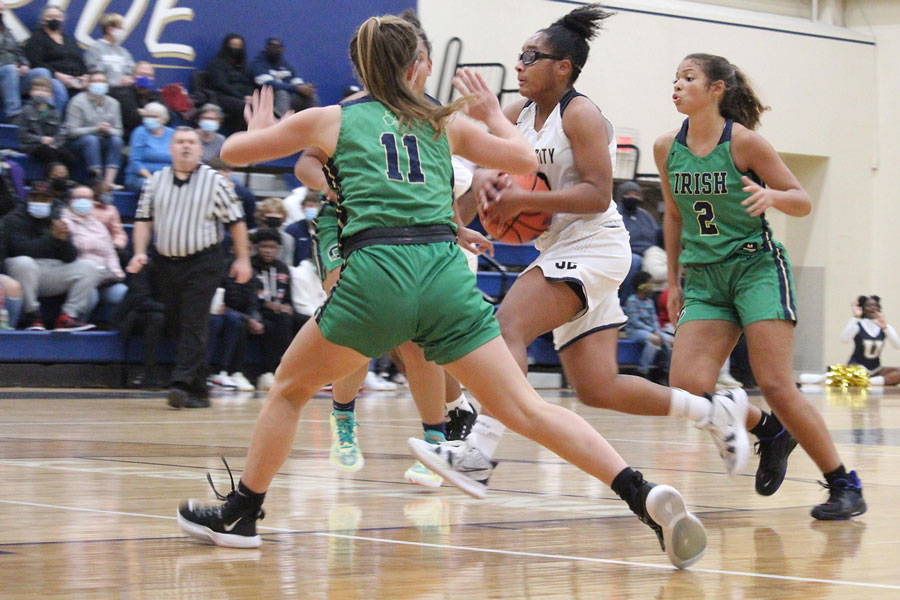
[
  {"x": 273, "y": 56},
  {"x": 59, "y": 184},
  {"x": 273, "y": 222},
  {"x": 630, "y": 204},
  {"x": 236, "y": 53},
  {"x": 54, "y": 24}
]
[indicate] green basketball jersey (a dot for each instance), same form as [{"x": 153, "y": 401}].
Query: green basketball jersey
[
  {"x": 709, "y": 192},
  {"x": 386, "y": 176}
]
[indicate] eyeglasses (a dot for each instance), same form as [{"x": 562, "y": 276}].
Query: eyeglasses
[{"x": 529, "y": 57}]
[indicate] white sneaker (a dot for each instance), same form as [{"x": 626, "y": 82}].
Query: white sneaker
[
  {"x": 222, "y": 382},
  {"x": 459, "y": 463},
  {"x": 684, "y": 536},
  {"x": 374, "y": 383},
  {"x": 727, "y": 382},
  {"x": 265, "y": 381},
  {"x": 242, "y": 383},
  {"x": 727, "y": 423}
]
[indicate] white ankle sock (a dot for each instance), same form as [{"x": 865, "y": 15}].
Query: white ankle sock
[
  {"x": 813, "y": 378},
  {"x": 877, "y": 380},
  {"x": 687, "y": 406},
  {"x": 486, "y": 433},
  {"x": 462, "y": 402}
]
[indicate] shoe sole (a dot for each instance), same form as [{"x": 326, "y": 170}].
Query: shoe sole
[
  {"x": 73, "y": 329},
  {"x": 424, "y": 481},
  {"x": 424, "y": 452},
  {"x": 741, "y": 441},
  {"x": 683, "y": 533},
  {"x": 226, "y": 540}
]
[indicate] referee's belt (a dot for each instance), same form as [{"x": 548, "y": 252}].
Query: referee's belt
[{"x": 397, "y": 236}]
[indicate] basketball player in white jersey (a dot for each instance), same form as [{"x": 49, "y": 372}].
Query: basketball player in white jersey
[{"x": 572, "y": 287}]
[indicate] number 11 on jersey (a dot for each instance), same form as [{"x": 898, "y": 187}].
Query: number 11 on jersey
[{"x": 414, "y": 174}]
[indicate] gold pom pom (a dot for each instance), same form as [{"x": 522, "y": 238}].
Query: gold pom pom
[{"x": 844, "y": 376}]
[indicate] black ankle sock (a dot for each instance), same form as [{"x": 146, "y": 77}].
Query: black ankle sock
[
  {"x": 346, "y": 407},
  {"x": 442, "y": 427},
  {"x": 839, "y": 473},
  {"x": 248, "y": 497},
  {"x": 623, "y": 485},
  {"x": 768, "y": 427}
]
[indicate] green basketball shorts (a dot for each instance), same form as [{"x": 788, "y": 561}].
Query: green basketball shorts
[
  {"x": 426, "y": 293},
  {"x": 325, "y": 241},
  {"x": 744, "y": 288}
]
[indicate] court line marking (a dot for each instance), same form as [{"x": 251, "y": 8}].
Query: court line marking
[{"x": 608, "y": 561}]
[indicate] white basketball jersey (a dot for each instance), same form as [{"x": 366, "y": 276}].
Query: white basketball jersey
[{"x": 556, "y": 162}]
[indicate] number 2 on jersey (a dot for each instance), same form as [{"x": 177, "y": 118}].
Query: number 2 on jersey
[
  {"x": 705, "y": 217},
  {"x": 414, "y": 174}
]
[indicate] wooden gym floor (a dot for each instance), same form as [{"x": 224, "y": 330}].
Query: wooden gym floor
[{"x": 91, "y": 480}]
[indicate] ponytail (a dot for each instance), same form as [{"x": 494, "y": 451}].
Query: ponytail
[
  {"x": 385, "y": 47},
  {"x": 739, "y": 102}
]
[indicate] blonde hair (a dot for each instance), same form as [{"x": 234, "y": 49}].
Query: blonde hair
[
  {"x": 270, "y": 205},
  {"x": 386, "y": 47},
  {"x": 111, "y": 20}
]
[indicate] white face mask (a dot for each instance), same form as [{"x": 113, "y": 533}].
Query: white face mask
[{"x": 118, "y": 35}]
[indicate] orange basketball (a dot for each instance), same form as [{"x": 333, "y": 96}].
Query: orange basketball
[{"x": 527, "y": 226}]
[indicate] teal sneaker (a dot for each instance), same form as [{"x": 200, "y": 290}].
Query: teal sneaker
[{"x": 345, "y": 452}]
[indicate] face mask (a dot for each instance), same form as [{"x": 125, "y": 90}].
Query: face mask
[
  {"x": 209, "y": 125},
  {"x": 630, "y": 204},
  {"x": 43, "y": 97},
  {"x": 311, "y": 213},
  {"x": 236, "y": 53},
  {"x": 82, "y": 206},
  {"x": 144, "y": 82},
  {"x": 274, "y": 55},
  {"x": 59, "y": 184},
  {"x": 98, "y": 88},
  {"x": 151, "y": 123},
  {"x": 39, "y": 210},
  {"x": 118, "y": 35},
  {"x": 273, "y": 222},
  {"x": 54, "y": 24}
]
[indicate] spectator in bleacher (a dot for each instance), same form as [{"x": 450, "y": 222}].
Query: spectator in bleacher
[
  {"x": 108, "y": 55},
  {"x": 42, "y": 134},
  {"x": 229, "y": 325},
  {"x": 209, "y": 121},
  {"x": 51, "y": 49},
  {"x": 57, "y": 184},
  {"x": 107, "y": 213},
  {"x": 149, "y": 146},
  {"x": 94, "y": 126},
  {"x": 93, "y": 241},
  {"x": 42, "y": 258},
  {"x": 280, "y": 322},
  {"x": 9, "y": 196},
  {"x": 244, "y": 195},
  {"x": 643, "y": 326},
  {"x": 140, "y": 312},
  {"x": 270, "y": 213},
  {"x": 291, "y": 92},
  {"x": 136, "y": 96},
  {"x": 13, "y": 67},
  {"x": 302, "y": 231},
  {"x": 229, "y": 81},
  {"x": 187, "y": 255},
  {"x": 643, "y": 231}
]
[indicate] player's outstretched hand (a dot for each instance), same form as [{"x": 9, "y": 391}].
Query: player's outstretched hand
[{"x": 483, "y": 103}]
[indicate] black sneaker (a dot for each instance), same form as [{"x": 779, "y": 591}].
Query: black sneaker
[
  {"x": 681, "y": 534},
  {"x": 773, "y": 457},
  {"x": 460, "y": 423},
  {"x": 844, "y": 500},
  {"x": 181, "y": 398},
  {"x": 230, "y": 524}
]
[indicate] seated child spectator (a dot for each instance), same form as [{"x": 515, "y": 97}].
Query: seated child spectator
[
  {"x": 41, "y": 131},
  {"x": 280, "y": 322},
  {"x": 302, "y": 231},
  {"x": 210, "y": 121},
  {"x": 643, "y": 325},
  {"x": 149, "y": 146}
]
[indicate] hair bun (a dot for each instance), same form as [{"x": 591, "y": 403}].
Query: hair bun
[{"x": 585, "y": 21}]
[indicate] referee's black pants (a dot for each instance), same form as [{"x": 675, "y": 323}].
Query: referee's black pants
[{"x": 186, "y": 286}]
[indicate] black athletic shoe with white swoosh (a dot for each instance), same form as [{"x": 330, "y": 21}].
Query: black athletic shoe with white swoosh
[{"x": 230, "y": 524}]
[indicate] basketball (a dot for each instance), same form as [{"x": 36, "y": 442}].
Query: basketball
[{"x": 527, "y": 226}]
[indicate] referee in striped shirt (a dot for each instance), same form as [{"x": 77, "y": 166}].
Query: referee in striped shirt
[{"x": 186, "y": 206}]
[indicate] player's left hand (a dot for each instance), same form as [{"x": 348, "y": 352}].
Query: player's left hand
[
  {"x": 506, "y": 204},
  {"x": 760, "y": 198},
  {"x": 241, "y": 270},
  {"x": 259, "y": 110},
  {"x": 473, "y": 241},
  {"x": 483, "y": 103}
]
